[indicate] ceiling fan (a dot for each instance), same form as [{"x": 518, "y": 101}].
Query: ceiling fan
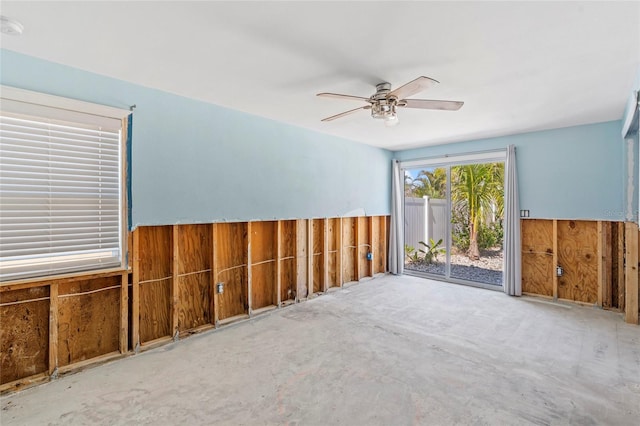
[{"x": 384, "y": 102}]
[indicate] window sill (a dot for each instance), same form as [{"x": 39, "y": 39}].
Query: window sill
[{"x": 76, "y": 276}]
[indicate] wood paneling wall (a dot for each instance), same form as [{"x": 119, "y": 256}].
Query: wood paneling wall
[
  {"x": 52, "y": 326},
  {"x": 171, "y": 289},
  {"x": 599, "y": 262}
]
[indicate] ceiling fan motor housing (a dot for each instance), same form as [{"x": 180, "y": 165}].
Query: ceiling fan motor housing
[{"x": 383, "y": 106}]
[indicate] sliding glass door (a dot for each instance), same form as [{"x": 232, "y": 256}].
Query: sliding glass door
[{"x": 453, "y": 217}]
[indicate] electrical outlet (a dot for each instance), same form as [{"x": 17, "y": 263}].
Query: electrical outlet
[
  {"x": 220, "y": 288},
  {"x": 524, "y": 213}
]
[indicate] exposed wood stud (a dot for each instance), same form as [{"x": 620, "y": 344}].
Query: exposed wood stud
[
  {"x": 607, "y": 265},
  {"x": 555, "y": 259},
  {"x": 339, "y": 275},
  {"x": 279, "y": 256},
  {"x": 600, "y": 254},
  {"x": 376, "y": 248},
  {"x": 214, "y": 277},
  {"x": 249, "y": 268},
  {"x": 621, "y": 269},
  {"x": 356, "y": 252},
  {"x": 631, "y": 273},
  {"x": 135, "y": 293},
  {"x": 301, "y": 254},
  {"x": 175, "y": 290},
  {"x": 53, "y": 330},
  {"x": 296, "y": 261},
  {"x": 372, "y": 249},
  {"x": 385, "y": 242},
  {"x": 325, "y": 256},
  {"x": 124, "y": 312},
  {"x": 309, "y": 257}
]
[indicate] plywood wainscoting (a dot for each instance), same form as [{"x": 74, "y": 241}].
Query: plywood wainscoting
[
  {"x": 587, "y": 262},
  {"x": 51, "y": 326}
]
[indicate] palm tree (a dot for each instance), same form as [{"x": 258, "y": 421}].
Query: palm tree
[
  {"x": 475, "y": 189},
  {"x": 432, "y": 183}
]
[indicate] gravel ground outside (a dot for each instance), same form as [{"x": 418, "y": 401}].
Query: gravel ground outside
[{"x": 487, "y": 270}]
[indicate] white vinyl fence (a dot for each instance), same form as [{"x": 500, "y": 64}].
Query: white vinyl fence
[{"x": 424, "y": 218}]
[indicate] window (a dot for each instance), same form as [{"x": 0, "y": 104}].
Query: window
[{"x": 61, "y": 185}]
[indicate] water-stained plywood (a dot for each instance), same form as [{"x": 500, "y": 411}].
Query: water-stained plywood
[
  {"x": 264, "y": 255},
  {"x": 263, "y": 285},
  {"x": 263, "y": 241},
  {"x": 88, "y": 319},
  {"x": 234, "y": 299},
  {"x": 537, "y": 274},
  {"x": 155, "y": 309},
  {"x": 194, "y": 302},
  {"x": 577, "y": 254},
  {"x": 193, "y": 260},
  {"x": 318, "y": 255},
  {"x": 155, "y": 254},
  {"x": 288, "y": 279},
  {"x": 537, "y": 256},
  {"x": 231, "y": 264},
  {"x": 349, "y": 249},
  {"x": 24, "y": 335},
  {"x": 380, "y": 244},
  {"x": 194, "y": 248},
  {"x": 288, "y": 260}
]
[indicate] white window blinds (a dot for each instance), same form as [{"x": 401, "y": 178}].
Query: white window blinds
[{"x": 60, "y": 191}]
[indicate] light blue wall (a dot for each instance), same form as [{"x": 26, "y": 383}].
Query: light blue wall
[
  {"x": 197, "y": 162},
  {"x": 570, "y": 173}
]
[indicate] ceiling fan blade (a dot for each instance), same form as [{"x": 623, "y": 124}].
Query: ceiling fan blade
[
  {"x": 339, "y": 96},
  {"x": 413, "y": 87},
  {"x": 431, "y": 104},
  {"x": 342, "y": 114}
]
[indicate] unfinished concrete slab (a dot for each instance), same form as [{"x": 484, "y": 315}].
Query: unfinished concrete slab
[{"x": 390, "y": 351}]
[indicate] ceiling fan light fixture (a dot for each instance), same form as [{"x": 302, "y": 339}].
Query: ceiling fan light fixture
[
  {"x": 391, "y": 120},
  {"x": 10, "y": 26}
]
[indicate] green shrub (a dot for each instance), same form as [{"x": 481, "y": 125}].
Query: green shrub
[
  {"x": 411, "y": 254},
  {"x": 490, "y": 236},
  {"x": 460, "y": 238},
  {"x": 431, "y": 250}
]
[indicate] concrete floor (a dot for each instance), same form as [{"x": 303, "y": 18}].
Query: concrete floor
[{"x": 390, "y": 351}]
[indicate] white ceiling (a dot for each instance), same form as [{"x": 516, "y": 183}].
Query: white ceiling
[{"x": 519, "y": 66}]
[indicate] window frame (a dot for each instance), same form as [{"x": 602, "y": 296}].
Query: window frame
[{"x": 73, "y": 106}]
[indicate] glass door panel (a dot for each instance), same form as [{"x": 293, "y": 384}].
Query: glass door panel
[
  {"x": 426, "y": 220},
  {"x": 477, "y": 205}
]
